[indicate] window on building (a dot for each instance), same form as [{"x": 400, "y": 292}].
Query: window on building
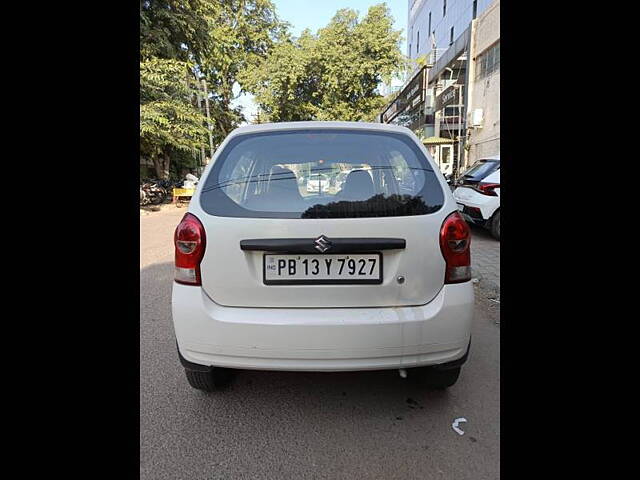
[
  {"x": 451, "y": 36},
  {"x": 475, "y": 8},
  {"x": 488, "y": 61},
  {"x": 410, "y": 50},
  {"x": 429, "y": 29},
  {"x": 444, "y": 8},
  {"x": 418, "y": 43}
]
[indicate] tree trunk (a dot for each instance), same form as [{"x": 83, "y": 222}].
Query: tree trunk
[
  {"x": 157, "y": 165},
  {"x": 161, "y": 164},
  {"x": 165, "y": 166}
]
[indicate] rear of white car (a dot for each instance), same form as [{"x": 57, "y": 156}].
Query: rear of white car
[
  {"x": 478, "y": 195},
  {"x": 272, "y": 276}
]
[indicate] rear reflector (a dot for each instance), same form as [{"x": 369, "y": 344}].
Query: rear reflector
[
  {"x": 189, "y": 240},
  {"x": 186, "y": 275},
  {"x": 455, "y": 242},
  {"x": 459, "y": 274}
]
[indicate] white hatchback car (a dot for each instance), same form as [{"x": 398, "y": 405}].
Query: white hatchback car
[
  {"x": 478, "y": 194},
  {"x": 369, "y": 277}
]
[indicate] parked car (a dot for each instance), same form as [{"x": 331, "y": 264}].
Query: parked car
[
  {"x": 317, "y": 183},
  {"x": 339, "y": 179},
  {"x": 267, "y": 279},
  {"x": 478, "y": 194}
]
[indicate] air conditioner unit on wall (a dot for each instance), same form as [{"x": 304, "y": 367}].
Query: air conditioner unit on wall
[{"x": 476, "y": 118}]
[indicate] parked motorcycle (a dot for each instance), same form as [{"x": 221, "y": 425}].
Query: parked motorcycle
[{"x": 152, "y": 192}]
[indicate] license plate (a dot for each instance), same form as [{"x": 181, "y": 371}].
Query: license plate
[{"x": 328, "y": 269}]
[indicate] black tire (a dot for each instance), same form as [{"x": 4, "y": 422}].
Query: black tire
[
  {"x": 434, "y": 378},
  {"x": 440, "y": 379},
  {"x": 208, "y": 381},
  {"x": 495, "y": 225}
]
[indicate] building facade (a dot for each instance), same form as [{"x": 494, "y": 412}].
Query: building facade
[
  {"x": 483, "y": 119},
  {"x": 441, "y": 44}
]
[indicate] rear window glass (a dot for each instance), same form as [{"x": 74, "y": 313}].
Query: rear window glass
[
  {"x": 481, "y": 169},
  {"x": 321, "y": 174}
]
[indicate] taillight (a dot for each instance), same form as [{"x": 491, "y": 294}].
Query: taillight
[
  {"x": 487, "y": 188},
  {"x": 455, "y": 242},
  {"x": 189, "y": 241}
]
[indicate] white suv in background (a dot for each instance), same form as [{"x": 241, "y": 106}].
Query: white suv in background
[
  {"x": 478, "y": 194},
  {"x": 372, "y": 275}
]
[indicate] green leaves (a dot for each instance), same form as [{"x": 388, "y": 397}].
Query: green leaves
[
  {"x": 332, "y": 75},
  {"x": 168, "y": 116},
  {"x": 183, "y": 42}
]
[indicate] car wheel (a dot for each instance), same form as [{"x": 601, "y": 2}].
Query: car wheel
[
  {"x": 209, "y": 381},
  {"x": 436, "y": 379},
  {"x": 495, "y": 225}
]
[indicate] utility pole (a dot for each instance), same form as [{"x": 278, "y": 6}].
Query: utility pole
[
  {"x": 206, "y": 102},
  {"x": 459, "y": 158},
  {"x": 199, "y": 165},
  {"x": 471, "y": 76}
]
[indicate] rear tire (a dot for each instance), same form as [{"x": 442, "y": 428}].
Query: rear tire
[
  {"x": 434, "y": 378},
  {"x": 495, "y": 225},
  {"x": 441, "y": 379},
  {"x": 208, "y": 381}
]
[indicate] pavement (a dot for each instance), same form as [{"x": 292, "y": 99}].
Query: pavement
[
  {"x": 369, "y": 425},
  {"x": 485, "y": 257}
]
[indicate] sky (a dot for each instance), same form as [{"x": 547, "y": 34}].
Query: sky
[{"x": 315, "y": 14}]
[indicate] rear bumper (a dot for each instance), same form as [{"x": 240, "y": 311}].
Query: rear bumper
[
  {"x": 323, "y": 339},
  {"x": 484, "y": 205}
]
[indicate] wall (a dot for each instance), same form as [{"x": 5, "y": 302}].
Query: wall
[{"x": 485, "y": 92}]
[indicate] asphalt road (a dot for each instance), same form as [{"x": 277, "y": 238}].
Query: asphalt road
[{"x": 281, "y": 425}]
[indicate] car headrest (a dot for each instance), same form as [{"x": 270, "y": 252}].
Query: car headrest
[
  {"x": 357, "y": 186},
  {"x": 282, "y": 179}
]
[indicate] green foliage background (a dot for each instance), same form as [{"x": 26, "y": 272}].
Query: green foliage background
[
  {"x": 330, "y": 75},
  {"x": 183, "y": 42}
]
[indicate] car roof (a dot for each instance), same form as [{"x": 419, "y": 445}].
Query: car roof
[{"x": 280, "y": 126}]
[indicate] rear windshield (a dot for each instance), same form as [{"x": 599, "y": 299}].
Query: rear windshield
[
  {"x": 321, "y": 174},
  {"x": 481, "y": 169}
]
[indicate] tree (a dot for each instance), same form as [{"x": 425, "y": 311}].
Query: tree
[
  {"x": 174, "y": 29},
  {"x": 241, "y": 33},
  {"x": 183, "y": 42},
  {"x": 332, "y": 75},
  {"x": 168, "y": 118}
]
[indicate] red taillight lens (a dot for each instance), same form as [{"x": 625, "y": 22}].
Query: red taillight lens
[
  {"x": 455, "y": 242},
  {"x": 189, "y": 241},
  {"x": 488, "y": 188}
]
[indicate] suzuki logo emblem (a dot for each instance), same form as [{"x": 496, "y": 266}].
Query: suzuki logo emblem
[{"x": 322, "y": 244}]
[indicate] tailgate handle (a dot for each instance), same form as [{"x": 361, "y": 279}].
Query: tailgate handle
[{"x": 326, "y": 245}]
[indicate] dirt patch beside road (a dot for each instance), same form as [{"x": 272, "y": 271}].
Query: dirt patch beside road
[{"x": 151, "y": 209}]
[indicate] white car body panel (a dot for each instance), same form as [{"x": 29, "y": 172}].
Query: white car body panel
[
  {"x": 236, "y": 321},
  {"x": 249, "y": 290},
  {"x": 487, "y": 204}
]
